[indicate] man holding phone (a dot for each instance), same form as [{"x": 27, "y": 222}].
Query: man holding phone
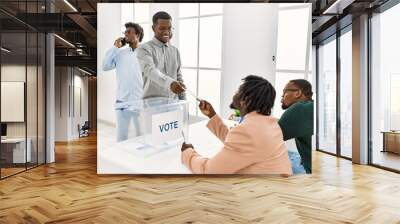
[
  {"x": 129, "y": 77},
  {"x": 160, "y": 62}
]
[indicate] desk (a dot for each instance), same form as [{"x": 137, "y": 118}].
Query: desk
[
  {"x": 124, "y": 157},
  {"x": 391, "y": 141},
  {"x": 13, "y": 150}
]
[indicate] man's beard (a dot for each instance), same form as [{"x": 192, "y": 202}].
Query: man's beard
[{"x": 284, "y": 107}]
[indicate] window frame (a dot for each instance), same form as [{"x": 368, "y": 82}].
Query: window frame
[
  {"x": 334, "y": 37},
  {"x": 198, "y": 67}
]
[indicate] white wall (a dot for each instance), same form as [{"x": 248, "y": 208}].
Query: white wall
[
  {"x": 61, "y": 103},
  {"x": 108, "y": 23},
  {"x": 66, "y": 121},
  {"x": 80, "y": 104},
  {"x": 249, "y": 42},
  {"x": 12, "y": 73}
]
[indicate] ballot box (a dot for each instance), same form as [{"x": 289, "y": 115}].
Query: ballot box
[{"x": 163, "y": 123}]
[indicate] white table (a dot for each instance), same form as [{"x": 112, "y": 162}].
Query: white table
[
  {"x": 124, "y": 157},
  {"x": 18, "y": 149}
]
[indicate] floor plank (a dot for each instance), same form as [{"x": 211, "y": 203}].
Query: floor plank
[{"x": 70, "y": 191}]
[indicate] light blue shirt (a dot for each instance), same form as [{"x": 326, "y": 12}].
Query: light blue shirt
[{"x": 128, "y": 73}]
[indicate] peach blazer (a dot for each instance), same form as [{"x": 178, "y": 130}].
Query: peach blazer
[{"x": 255, "y": 146}]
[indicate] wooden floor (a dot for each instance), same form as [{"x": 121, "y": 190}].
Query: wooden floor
[
  {"x": 5, "y": 172},
  {"x": 387, "y": 159},
  {"x": 70, "y": 191}
]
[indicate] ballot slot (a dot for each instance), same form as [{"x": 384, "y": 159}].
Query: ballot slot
[{"x": 161, "y": 124}]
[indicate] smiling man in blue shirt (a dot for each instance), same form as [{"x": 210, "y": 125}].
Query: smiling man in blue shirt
[{"x": 129, "y": 77}]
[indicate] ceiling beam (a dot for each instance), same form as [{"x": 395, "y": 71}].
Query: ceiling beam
[
  {"x": 337, "y": 7},
  {"x": 83, "y": 23},
  {"x": 82, "y": 61}
]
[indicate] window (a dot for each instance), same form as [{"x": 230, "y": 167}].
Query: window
[
  {"x": 327, "y": 96},
  {"x": 394, "y": 101},
  {"x": 209, "y": 87},
  {"x": 190, "y": 78},
  {"x": 334, "y": 107},
  {"x": 294, "y": 20},
  {"x": 210, "y": 45},
  {"x": 188, "y": 41},
  {"x": 291, "y": 52},
  {"x": 22, "y": 76},
  {"x": 346, "y": 94},
  {"x": 385, "y": 88},
  {"x": 200, "y": 51}
]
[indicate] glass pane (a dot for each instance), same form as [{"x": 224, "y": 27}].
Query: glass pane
[
  {"x": 141, "y": 12},
  {"x": 209, "y": 87},
  {"x": 385, "y": 85},
  {"x": 41, "y": 99},
  {"x": 327, "y": 97},
  {"x": 291, "y": 52},
  {"x": 210, "y": 8},
  {"x": 32, "y": 91},
  {"x": 42, "y": 6},
  {"x": 188, "y": 37},
  {"x": 210, "y": 45},
  {"x": 188, "y": 9},
  {"x": 394, "y": 101},
  {"x": 31, "y": 100},
  {"x": 13, "y": 80},
  {"x": 281, "y": 80},
  {"x": 346, "y": 94},
  {"x": 190, "y": 80}
]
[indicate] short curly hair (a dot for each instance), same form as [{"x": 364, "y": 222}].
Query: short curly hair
[{"x": 138, "y": 29}]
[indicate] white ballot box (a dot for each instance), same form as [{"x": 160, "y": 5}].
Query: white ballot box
[{"x": 163, "y": 123}]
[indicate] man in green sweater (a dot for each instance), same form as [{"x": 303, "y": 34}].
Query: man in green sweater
[{"x": 298, "y": 120}]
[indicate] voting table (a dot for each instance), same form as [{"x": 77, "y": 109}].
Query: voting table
[{"x": 158, "y": 149}]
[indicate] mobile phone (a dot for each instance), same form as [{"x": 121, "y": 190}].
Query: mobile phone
[{"x": 123, "y": 41}]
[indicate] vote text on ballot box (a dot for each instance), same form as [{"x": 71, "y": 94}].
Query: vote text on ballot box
[{"x": 163, "y": 122}]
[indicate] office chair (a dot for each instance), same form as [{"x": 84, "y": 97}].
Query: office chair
[{"x": 84, "y": 130}]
